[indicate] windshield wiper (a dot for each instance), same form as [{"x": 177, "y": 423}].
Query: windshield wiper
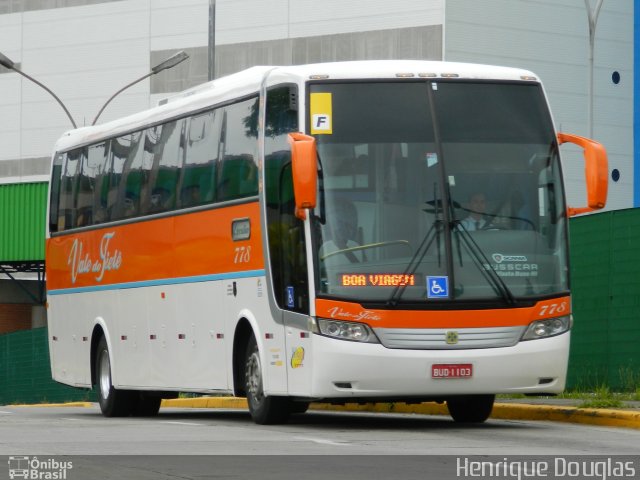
[
  {"x": 436, "y": 226},
  {"x": 480, "y": 260},
  {"x": 413, "y": 264}
]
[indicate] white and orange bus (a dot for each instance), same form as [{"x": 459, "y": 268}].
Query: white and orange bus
[{"x": 360, "y": 231}]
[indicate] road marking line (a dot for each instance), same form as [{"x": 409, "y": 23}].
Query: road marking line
[
  {"x": 5, "y": 413},
  {"x": 184, "y": 423},
  {"x": 322, "y": 441}
]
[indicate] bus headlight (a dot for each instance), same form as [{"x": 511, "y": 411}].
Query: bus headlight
[
  {"x": 548, "y": 328},
  {"x": 352, "y": 331}
]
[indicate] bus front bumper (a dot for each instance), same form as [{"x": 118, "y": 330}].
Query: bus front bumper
[{"x": 342, "y": 369}]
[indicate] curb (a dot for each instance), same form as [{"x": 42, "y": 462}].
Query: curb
[
  {"x": 47, "y": 405},
  {"x": 502, "y": 411}
]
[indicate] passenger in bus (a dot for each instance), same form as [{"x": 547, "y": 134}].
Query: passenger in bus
[
  {"x": 477, "y": 209},
  {"x": 160, "y": 197},
  {"x": 131, "y": 205},
  {"x": 342, "y": 229},
  {"x": 84, "y": 217},
  {"x": 190, "y": 196}
]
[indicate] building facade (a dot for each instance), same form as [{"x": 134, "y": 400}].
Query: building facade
[{"x": 85, "y": 50}]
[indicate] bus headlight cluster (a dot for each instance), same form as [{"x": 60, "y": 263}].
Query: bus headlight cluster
[
  {"x": 355, "y": 332},
  {"x": 548, "y": 328}
]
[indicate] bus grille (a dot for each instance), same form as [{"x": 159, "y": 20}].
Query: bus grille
[{"x": 449, "y": 339}]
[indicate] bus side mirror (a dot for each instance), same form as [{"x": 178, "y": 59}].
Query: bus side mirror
[
  {"x": 596, "y": 171},
  {"x": 304, "y": 167}
]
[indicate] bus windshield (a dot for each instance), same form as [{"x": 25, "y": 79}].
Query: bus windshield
[{"x": 437, "y": 191}]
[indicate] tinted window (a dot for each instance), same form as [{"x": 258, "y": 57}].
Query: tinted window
[
  {"x": 119, "y": 151},
  {"x": 286, "y": 231},
  {"x": 492, "y": 113},
  {"x": 93, "y": 166},
  {"x": 198, "y": 181},
  {"x": 159, "y": 169},
  {"x": 238, "y": 175},
  {"x": 166, "y": 146},
  {"x": 58, "y": 163},
  {"x": 134, "y": 179},
  {"x": 68, "y": 189}
]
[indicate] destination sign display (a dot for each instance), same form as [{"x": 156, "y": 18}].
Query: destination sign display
[{"x": 377, "y": 280}]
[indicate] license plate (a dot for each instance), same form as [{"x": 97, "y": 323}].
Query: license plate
[{"x": 452, "y": 370}]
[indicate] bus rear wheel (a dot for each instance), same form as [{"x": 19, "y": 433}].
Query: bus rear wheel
[
  {"x": 265, "y": 410},
  {"x": 113, "y": 403},
  {"x": 470, "y": 408}
]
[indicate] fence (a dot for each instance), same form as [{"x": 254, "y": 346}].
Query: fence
[
  {"x": 605, "y": 344},
  {"x": 25, "y": 372}
]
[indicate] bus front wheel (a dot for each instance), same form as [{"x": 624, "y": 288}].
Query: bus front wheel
[
  {"x": 145, "y": 404},
  {"x": 265, "y": 410},
  {"x": 113, "y": 403},
  {"x": 471, "y": 408}
]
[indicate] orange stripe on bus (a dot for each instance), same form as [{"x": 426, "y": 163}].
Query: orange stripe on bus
[
  {"x": 186, "y": 245},
  {"x": 442, "y": 318}
]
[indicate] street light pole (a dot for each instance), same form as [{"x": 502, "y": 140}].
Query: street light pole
[
  {"x": 170, "y": 62},
  {"x": 8, "y": 63},
  {"x": 212, "y": 40},
  {"x": 592, "y": 15}
]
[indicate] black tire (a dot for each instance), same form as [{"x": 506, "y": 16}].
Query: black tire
[
  {"x": 145, "y": 404},
  {"x": 113, "y": 403},
  {"x": 265, "y": 410},
  {"x": 471, "y": 408},
  {"x": 298, "y": 407}
]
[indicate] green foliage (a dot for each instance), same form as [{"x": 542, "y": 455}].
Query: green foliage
[{"x": 602, "y": 398}]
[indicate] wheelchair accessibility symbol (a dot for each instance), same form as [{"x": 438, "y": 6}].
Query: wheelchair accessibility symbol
[
  {"x": 291, "y": 301},
  {"x": 437, "y": 287}
]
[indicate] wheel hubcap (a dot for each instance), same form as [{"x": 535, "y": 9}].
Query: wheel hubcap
[
  {"x": 254, "y": 378},
  {"x": 105, "y": 375}
]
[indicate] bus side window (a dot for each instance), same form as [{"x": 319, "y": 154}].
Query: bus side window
[
  {"x": 68, "y": 189},
  {"x": 167, "y": 153},
  {"x": 92, "y": 166},
  {"x": 56, "y": 181},
  {"x": 101, "y": 194},
  {"x": 119, "y": 149},
  {"x": 238, "y": 173},
  {"x": 134, "y": 179},
  {"x": 197, "y": 182}
]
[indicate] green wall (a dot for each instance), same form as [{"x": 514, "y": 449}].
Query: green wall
[
  {"x": 25, "y": 372},
  {"x": 605, "y": 284},
  {"x": 23, "y": 208}
]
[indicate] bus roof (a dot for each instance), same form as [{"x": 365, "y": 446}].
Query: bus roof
[{"x": 248, "y": 82}]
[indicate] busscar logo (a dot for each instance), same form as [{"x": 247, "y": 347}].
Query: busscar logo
[
  {"x": 512, "y": 266},
  {"x": 36, "y": 469}
]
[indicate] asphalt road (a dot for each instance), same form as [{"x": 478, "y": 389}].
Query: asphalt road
[{"x": 318, "y": 444}]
